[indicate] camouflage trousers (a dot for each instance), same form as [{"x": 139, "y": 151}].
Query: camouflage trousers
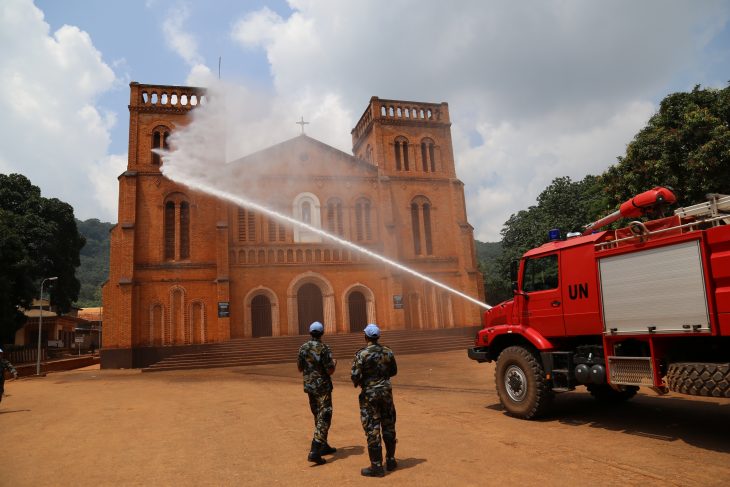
[
  {"x": 377, "y": 412},
  {"x": 321, "y": 405}
]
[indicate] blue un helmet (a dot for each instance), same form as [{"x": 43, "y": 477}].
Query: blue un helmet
[
  {"x": 372, "y": 331},
  {"x": 316, "y": 327}
]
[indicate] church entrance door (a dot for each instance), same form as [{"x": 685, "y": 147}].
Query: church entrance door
[
  {"x": 260, "y": 316},
  {"x": 309, "y": 307},
  {"x": 358, "y": 311}
]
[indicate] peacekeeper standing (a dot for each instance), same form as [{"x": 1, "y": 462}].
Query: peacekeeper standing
[
  {"x": 372, "y": 369},
  {"x": 4, "y": 364},
  {"x": 316, "y": 364}
]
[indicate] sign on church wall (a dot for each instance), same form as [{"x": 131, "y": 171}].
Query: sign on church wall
[{"x": 223, "y": 309}]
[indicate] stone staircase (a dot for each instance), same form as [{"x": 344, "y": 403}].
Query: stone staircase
[{"x": 273, "y": 350}]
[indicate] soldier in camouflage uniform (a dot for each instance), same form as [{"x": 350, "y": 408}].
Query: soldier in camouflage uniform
[
  {"x": 372, "y": 369},
  {"x": 316, "y": 364},
  {"x": 4, "y": 364}
]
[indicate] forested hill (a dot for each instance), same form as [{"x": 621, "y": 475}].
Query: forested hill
[
  {"x": 94, "y": 257},
  {"x": 496, "y": 282},
  {"x": 488, "y": 251}
]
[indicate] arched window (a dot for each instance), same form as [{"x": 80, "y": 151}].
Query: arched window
[
  {"x": 169, "y": 230},
  {"x": 306, "y": 209},
  {"x": 184, "y": 230},
  {"x": 246, "y": 225},
  {"x": 427, "y": 228},
  {"x": 277, "y": 231},
  {"x": 401, "y": 153},
  {"x": 307, "y": 212},
  {"x": 334, "y": 217},
  {"x": 176, "y": 231},
  {"x": 416, "y": 227},
  {"x": 421, "y": 211},
  {"x": 404, "y": 145},
  {"x": 428, "y": 161},
  {"x": 363, "y": 228},
  {"x": 159, "y": 141}
]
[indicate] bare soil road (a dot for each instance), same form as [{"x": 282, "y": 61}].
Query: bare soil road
[{"x": 252, "y": 426}]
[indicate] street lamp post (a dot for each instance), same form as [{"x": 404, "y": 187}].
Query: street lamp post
[{"x": 40, "y": 325}]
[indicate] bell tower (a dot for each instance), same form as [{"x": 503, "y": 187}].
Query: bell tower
[
  {"x": 410, "y": 143},
  {"x": 406, "y": 138}
]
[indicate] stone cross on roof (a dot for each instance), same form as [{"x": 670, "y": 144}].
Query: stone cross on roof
[{"x": 302, "y": 123}]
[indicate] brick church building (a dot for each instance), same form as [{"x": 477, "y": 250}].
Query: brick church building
[{"x": 187, "y": 268}]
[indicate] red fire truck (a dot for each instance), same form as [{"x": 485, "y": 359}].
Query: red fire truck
[{"x": 647, "y": 305}]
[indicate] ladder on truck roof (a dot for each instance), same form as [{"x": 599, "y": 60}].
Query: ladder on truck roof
[
  {"x": 717, "y": 204},
  {"x": 714, "y": 211}
]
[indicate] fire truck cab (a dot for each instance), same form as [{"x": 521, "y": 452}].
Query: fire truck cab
[{"x": 647, "y": 305}]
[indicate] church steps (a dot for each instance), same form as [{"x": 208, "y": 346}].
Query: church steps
[
  {"x": 289, "y": 355},
  {"x": 260, "y": 344},
  {"x": 354, "y": 345},
  {"x": 269, "y": 350},
  {"x": 247, "y": 361},
  {"x": 342, "y": 350},
  {"x": 252, "y": 346}
]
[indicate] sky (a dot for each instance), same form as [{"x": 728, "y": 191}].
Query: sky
[{"x": 536, "y": 89}]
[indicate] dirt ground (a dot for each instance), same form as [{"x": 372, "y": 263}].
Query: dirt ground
[{"x": 252, "y": 426}]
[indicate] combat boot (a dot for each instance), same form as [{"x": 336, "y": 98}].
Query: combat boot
[
  {"x": 390, "y": 462},
  {"x": 327, "y": 449},
  {"x": 315, "y": 454},
  {"x": 376, "y": 463}
]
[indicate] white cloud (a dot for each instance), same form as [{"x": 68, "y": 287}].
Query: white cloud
[
  {"x": 515, "y": 162},
  {"x": 258, "y": 28},
  {"x": 186, "y": 46},
  {"x": 536, "y": 90},
  {"x": 104, "y": 185},
  {"x": 51, "y": 130},
  {"x": 200, "y": 75},
  {"x": 177, "y": 39}
]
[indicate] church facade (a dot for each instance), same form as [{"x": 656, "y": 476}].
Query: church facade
[{"x": 187, "y": 268}]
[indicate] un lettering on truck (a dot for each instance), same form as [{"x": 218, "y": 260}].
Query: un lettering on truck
[{"x": 659, "y": 290}]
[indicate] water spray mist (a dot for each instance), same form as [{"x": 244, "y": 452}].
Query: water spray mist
[{"x": 175, "y": 175}]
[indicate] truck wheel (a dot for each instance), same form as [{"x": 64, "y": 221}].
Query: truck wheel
[
  {"x": 606, "y": 393},
  {"x": 699, "y": 379},
  {"x": 521, "y": 384}
]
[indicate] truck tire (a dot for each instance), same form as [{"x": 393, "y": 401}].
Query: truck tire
[
  {"x": 606, "y": 393},
  {"x": 521, "y": 384},
  {"x": 699, "y": 379}
]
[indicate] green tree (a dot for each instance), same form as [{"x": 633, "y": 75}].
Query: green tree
[
  {"x": 39, "y": 239},
  {"x": 496, "y": 286},
  {"x": 685, "y": 145},
  {"x": 565, "y": 204},
  {"x": 94, "y": 268}
]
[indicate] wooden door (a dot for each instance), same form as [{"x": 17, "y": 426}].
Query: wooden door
[
  {"x": 309, "y": 307},
  {"x": 358, "y": 311},
  {"x": 260, "y": 316}
]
